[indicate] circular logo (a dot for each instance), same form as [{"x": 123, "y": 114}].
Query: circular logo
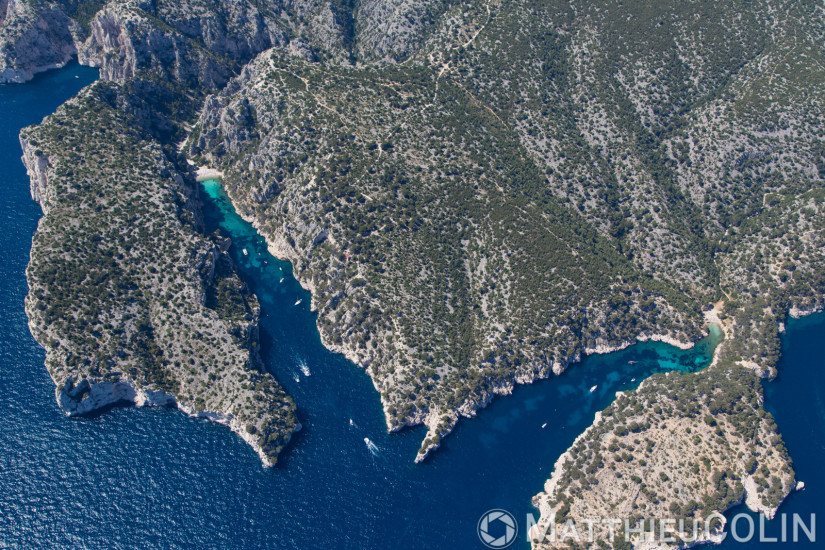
[{"x": 497, "y": 529}]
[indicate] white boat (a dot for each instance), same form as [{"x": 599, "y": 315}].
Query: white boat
[
  {"x": 282, "y": 280},
  {"x": 351, "y": 423},
  {"x": 245, "y": 253},
  {"x": 371, "y": 446},
  {"x": 298, "y": 302},
  {"x": 544, "y": 425},
  {"x": 304, "y": 368},
  {"x": 593, "y": 389}
]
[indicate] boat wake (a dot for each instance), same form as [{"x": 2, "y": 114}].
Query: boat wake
[
  {"x": 372, "y": 447},
  {"x": 304, "y": 368}
]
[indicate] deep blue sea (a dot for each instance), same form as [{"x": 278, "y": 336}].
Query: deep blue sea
[{"x": 154, "y": 478}]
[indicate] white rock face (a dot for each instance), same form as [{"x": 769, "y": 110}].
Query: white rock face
[
  {"x": 752, "y": 500},
  {"x": 36, "y": 163},
  {"x": 78, "y": 398}
]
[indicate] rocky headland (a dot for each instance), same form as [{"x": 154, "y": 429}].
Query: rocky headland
[{"x": 131, "y": 303}]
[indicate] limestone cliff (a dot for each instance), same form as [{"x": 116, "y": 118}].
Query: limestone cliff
[
  {"x": 34, "y": 36},
  {"x": 199, "y": 43}
]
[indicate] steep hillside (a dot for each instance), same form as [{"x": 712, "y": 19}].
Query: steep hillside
[
  {"x": 540, "y": 180},
  {"x": 436, "y": 255}
]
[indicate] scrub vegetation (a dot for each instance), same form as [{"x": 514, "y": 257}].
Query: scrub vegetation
[{"x": 476, "y": 193}]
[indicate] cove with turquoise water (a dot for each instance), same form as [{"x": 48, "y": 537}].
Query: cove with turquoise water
[{"x": 155, "y": 478}]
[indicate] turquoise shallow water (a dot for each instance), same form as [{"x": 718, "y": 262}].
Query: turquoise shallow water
[{"x": 154, "y": 478}]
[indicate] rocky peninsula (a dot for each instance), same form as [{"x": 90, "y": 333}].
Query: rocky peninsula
[{"x": 131, "y": 303}]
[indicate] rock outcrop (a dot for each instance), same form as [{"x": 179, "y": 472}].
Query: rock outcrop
[
  {"x": 36, "y": 163},
  {"x": 196, "y": 48}
]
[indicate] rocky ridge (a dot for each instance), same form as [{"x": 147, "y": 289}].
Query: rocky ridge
[
  {"x": 133, "y": 304},
  {"x": 337, "y": 166}
]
